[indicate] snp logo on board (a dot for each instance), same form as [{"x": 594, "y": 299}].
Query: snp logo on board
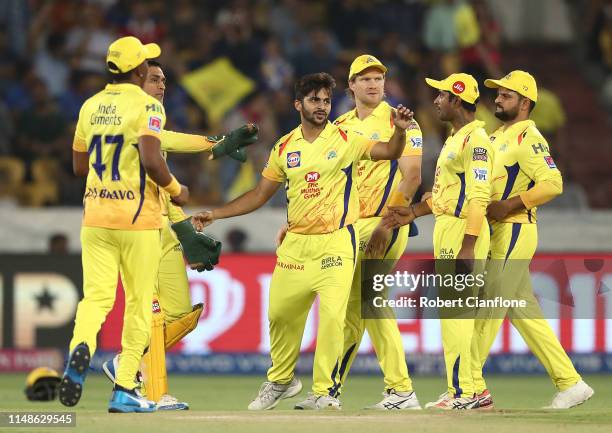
[{"x": 293, "y": 159}]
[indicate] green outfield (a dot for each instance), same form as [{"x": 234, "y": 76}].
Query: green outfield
[{"x": 219, "y": 405}]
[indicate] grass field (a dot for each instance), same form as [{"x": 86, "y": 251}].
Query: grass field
[{"x": 218, "y": 404}]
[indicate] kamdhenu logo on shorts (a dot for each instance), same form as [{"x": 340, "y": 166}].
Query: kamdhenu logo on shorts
[
  {"x": 293, "y": 159},
  {"x": 156, "y": 307},
  {"x": 290, "y": 266},
  {"x": 312, "y": 176}
]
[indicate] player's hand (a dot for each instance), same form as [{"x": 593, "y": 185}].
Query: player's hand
[
  {"x": 398, "y": 216},
  {"x": 403, "y": 117},
  {"x": 280, "y": 236},
  {"x": 498, "y": 210},
  {"x": 426, "y": 196},
  {"x": 233, "y": 144},
  {"x": 201, "y": 251},
  {"x": 182, "y": 198},
  {"x": 465, "y": 261},
  {"x": 375, "y": 249},
  {"x": 202, "y": 219}
]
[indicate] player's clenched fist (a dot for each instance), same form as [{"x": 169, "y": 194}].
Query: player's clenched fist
[
  {"x": 403, "y": 117},
  {"x": 202, "y": 219}
]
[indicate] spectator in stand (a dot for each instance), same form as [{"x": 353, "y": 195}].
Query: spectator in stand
[
  {"x": 276, "y": 71},
  {"x": 142, "y": 24},
  {"x": 88, "y": 41},
  {"x": 318, "y": 55},
  {"x": 42, "y": 127},
  {"x": 58, "y": 244},
  {"x": 236, "y": 239},
  {"x": 479, "y": 38}
]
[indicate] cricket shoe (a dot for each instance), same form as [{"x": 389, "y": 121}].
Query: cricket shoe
[
  {"x": 271, "y": 393},
  {"x": 397, "y": 400},
  {"x": 319, "y": 402},
  {"x": 71, "y": 386},
  {"x": 448, "y": 402},
  {"x": 573, "y": 396},
  {"x": 168, "y": 402},
  {"x": 110, "y": 369},
  {"x": 123, "y": 401},
  {"x": 485, "y": 400}
]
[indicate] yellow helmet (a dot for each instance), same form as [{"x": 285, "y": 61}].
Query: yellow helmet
[{"x": 42, "y": 384}]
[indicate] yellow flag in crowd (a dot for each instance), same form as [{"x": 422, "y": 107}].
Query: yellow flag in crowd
[
  {"x": 217, "y": 87},
  {"x": 244, "y": 181}
]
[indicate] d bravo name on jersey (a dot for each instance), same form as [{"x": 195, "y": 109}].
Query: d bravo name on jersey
[{"x": 93, "y": 192}]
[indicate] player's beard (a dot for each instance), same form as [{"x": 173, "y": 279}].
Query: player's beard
[
  {"x": 506, "y": 115},
  {"x": 310, "y": 117}
]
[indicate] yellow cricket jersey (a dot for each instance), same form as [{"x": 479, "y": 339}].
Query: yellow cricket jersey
[
  {"x": 119, "y": 194},
  {"x": 522, "y": 159},
  {"x": 377, "y": 179},
  {"x": 179, "y": 142},
  {"x": 463, "y": 173},
  {"x": 319, "y": 178}
]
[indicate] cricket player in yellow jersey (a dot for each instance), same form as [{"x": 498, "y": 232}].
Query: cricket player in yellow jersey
[
  {"x": 173, "y": 315},
  {"x": 117, "y": 144},
  {"x": 379, "y": 183},
  {"x": 317, "y": 161},
  {"x": 524, "y": 177},
  {"x": 460, "y": 195}
]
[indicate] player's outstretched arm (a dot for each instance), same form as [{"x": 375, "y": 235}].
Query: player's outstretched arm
[
  {"x": 157, "y": 169},
  {"x": 410, "y": 167},
  {"x": 402, "y": 118},
  {"x": 232, "y": 144},
  {"x": 246, "y": 203}
]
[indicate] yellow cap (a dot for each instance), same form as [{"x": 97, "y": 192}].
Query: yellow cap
[
  {"x": 128, "y": 52},
  {"x": 521, "y": 82},
  {"x": 462, "y": 85},
  {"x": 364, "y": 62}
]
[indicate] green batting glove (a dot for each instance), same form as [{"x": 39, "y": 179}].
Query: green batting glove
[
  {"x": 201, "y": 251},
  {"x": 234, "y": 142}
]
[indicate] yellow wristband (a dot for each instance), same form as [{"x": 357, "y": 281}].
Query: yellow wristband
[
  {"x": 398, "y": 198},
  {"x": 173, "y": 188}
]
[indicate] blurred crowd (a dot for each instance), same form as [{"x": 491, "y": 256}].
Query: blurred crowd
[
  {"x": 52, "y": 58},
  {"x": 598, "y": 29}
]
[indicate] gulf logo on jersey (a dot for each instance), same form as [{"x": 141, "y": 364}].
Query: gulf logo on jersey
[
  {"x": 293, "y": 159},
  {"x": 312, "y": 176},
  {"x": 155, "y": 123},
  {"x": 458, "y": 87}
]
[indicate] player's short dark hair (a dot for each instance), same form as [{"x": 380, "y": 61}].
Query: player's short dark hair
[
  {"x": 466, "y": 105},
  {"x": 154, "y": 63},
  {"x": 470, "y": 107},
  {"x": 120, "y": 77},
  {"x": 316, "y": 82},
  {"x": 532, "y": 105}
]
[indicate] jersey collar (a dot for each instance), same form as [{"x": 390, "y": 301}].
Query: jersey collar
[
  {"x": 325, "y": 134},
  {"x": 520, "y": 126},
  {"x": 468, "y": 128},
  {"x": 379, "y": 112},
  {"x": 121, "y": 86}
]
